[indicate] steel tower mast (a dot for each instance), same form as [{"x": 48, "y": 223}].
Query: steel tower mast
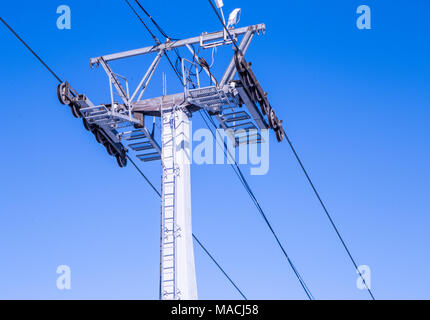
[{"x": 122, "y": 129}]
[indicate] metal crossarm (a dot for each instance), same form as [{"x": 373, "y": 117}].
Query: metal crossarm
[{"x": 169, "y": 45}]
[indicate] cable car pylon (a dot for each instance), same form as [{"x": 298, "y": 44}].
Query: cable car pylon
[{"x": 121, "y": 126}]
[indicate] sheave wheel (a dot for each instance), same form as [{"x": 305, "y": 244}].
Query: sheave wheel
[
  {"x": 61, "y": 94},
  {"x": 99, "y": 137},
  {"x": 280, "y": 135},
  {"x": 75, "y": 111},
  {"x": 122, "y": 161}
]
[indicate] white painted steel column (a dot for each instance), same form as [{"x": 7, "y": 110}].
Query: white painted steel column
[{"x": 178, "y": 277}]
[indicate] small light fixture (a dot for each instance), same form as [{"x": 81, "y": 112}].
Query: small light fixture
[
  {"x": 234, "y": 18},
  {"x": 219, "y": 4}
]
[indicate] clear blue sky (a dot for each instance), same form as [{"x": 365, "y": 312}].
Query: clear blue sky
[{"x": 355, "y": 103}]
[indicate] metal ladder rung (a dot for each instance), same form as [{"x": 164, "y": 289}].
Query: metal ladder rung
[
  {"x": 168, "y": 268},
  {"x": 95, "y": 112},
  {"x": 166, "y": 294},
  {"x": 168, "y": 137},
  {"x": 135, "y": 137},
  {"x": 117, "y": 120},
  {"x": 167, "y": 280},
  {"x": 143, "y": 148},
  {"x": 133, "y": 131},
  {"x": 246, "y": 134},
  {"x": 94, "y": 108},
  {"x": 127, "y": 125},
  {"x": 149, "y": 157},
  {"x": 101, "y": 122},
  {"x": 207, "y": 99},
  {"x": 243, "y": 126},
  {"x": 200, "y": 94},
  {"x": 168, "y": 286},
  {"x": 97, "y": 116},
  {"x": 241, "y": 118},
  {"x": 232, "y": 108},
  {"x": 147, "y": 154},
  {"x": 131, "y": 145},
  {"x": 106, "y": 123},
  {"x": 169, "y": 294},
  {"x": 255, "y": 141},
  {"x": 167, "y": 273},
  {"x": 241, "y": 135},
  {"x": 234, "y": 113}
]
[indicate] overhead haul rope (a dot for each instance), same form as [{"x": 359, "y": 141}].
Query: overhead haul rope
[
  {"x": 307, "y": 176},
  {"x": 31, "y": 50},
  {"x": 244, "y": 181},
  {"x": 248, "y": 189}
]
